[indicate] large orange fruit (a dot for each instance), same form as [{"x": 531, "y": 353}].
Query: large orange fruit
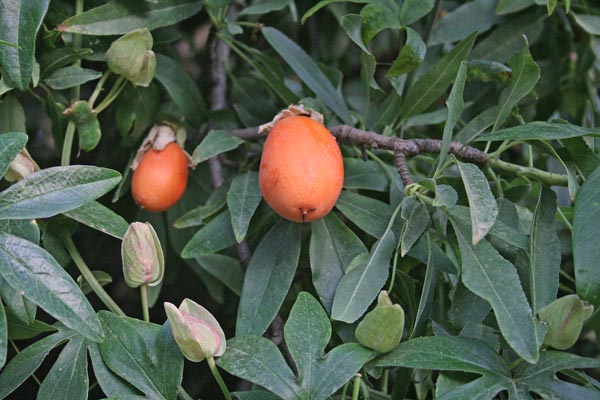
[
  {"x": 301, "y": 170},
  {"x": 161, "y": 178}
]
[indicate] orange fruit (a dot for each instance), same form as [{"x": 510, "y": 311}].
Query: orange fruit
[
  {"x": 301, "y": 170},
  {"x": 161, "y": 178}
]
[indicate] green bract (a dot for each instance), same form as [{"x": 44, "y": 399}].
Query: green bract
[{"x": 132, "y": 57}]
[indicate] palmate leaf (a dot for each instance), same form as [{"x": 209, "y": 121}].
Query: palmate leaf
[
  {"x": 307, "y": 332},
  {"x": 455, "y": 353}
]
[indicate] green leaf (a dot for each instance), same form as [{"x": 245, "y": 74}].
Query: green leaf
[
  {"x": 196, "y": 216},
  {"x": 480, "y": 14},
  {"x": 352, "y": 24},
  {"x": 455, "y": 105},
  {"x": 540, "y": 131},
  {"x": 265, "y": 7},
  {"x": 364, "y": 278},
  {"x": 585, "y": 239},
  {"x": 423, "y": 313},
  {"x": 226, "y": 269},
  {"x": 57, "y": 58},
  {"x": 143, "y": 354},
  {"x": 24, "y": 364},
  {"x": 308, "y": 71},
  {"x": 483, "y": 268},
  {"x": 118, "y": 17},
  {"x": 212, "y": 237},
  {"x": 12, "y": 115},
  {"x": 511, "y": 6},
  {"x": 417, "y": 221},
  {"x": 499, "y": 232},
  {"x": 101, "y": 218},
  {"x": 102, "y": 277},
  {"x": 10, "y": 145},
  {"x": 564, "y": 318},
  {"x": 589, "y": 23},
  {"x": 361, "y": 174},
  {"x": 584, "y": 158},
  {"x": 109, "y": 382},
  {"x": 324, "y": 3},
  {"x": 477, "y": 125},
  {"x": 332, "y": 247},
  {"x": 411, "y": 55},
  {"x": 431, "y": 85},
  {"x": 242, "y": 200},
  {"x": 135, "y": 109},
  {"x": 525, "y": 75},
  {"x": 215, "y": 143},
  {"x": 181, "y": 88},
  {"x": 445, "y": 353},
  {"x": 257, "y": 359},
  {"x": 368, "y": 214},
  {"x": 507, "y": 39},
  {"x": 17, "y": 330},
  {"x": 17, "y": 305},
  {"x": 68, "y": 377},
  {"x": 3, "y": 336},
  {"x": 482, "y": 204},
  {"x": 377, "y": 16},
  {"x": 32, "y": 271},
  {"x": 414, "y": 10},
  {"x": 69, "y": 77},
  {"x": 19, "y": 24},
  {"x": 307, "y": 333},
  {"x": 56, "y": 190},
  {"x": 467, "y": 307},
  {"x": 268, "y": 278},
  {"x": 544, "y": 252}
]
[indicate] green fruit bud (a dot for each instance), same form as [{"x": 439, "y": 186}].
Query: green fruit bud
[
  {"x": 143, "y": 261},
  {"x": 132, "y": 57},
  {"x": 381, "y": 329},
  {"x": 197, "y": 333}
]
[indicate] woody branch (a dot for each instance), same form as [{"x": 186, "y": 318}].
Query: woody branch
[{"x": 404, "y": 148}]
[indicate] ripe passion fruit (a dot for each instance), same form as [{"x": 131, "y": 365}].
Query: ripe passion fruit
[
  {"x": 160, "y": 179},
  {"x": 301, "y": 170}
]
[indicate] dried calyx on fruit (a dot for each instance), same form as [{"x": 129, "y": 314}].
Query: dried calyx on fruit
[
  {"x": 160, "y": 168},
  {"x": 301, "y": 170}
]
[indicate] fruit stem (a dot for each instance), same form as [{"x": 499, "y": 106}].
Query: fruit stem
[
  {"x": 356, "y": 387},
  {"x": 89, "y": 276},
  {"x": 183, "y": 395},
  {"x": 114, "y": 92},
  {"x": 99, "y": 88},
  {"x": 144, "y": 296},
  {"x": 65, "y": 158},
  {"x": 215, "y": 371}
]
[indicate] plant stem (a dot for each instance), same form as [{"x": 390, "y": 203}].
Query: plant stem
[
  {"x": 89, "y": 276},
  {"x": 144, "y": 295},
  {"x": 75, "y": 92},
  {"x": 345, "y": 390},
  {"x": 218, "y": 378},
  {"x": 99, "y": 88},
  {"x": 515, "y": 364},
  {"x": 65, "y": 158},
  {"x": 183, "y": 395},
  {"x": 564, "y": 219},
  {"x": 114, "y": 92},
  {"x": 518, "y": 170},
  {"x": 356, "y": 387}
]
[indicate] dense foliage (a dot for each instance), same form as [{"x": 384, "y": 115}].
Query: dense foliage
[{"x": 460, "y": 262}]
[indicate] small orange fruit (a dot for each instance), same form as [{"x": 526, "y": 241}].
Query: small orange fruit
[
  {"x": 160, "y": 179},
  {"x": 301, "y": 170}
]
